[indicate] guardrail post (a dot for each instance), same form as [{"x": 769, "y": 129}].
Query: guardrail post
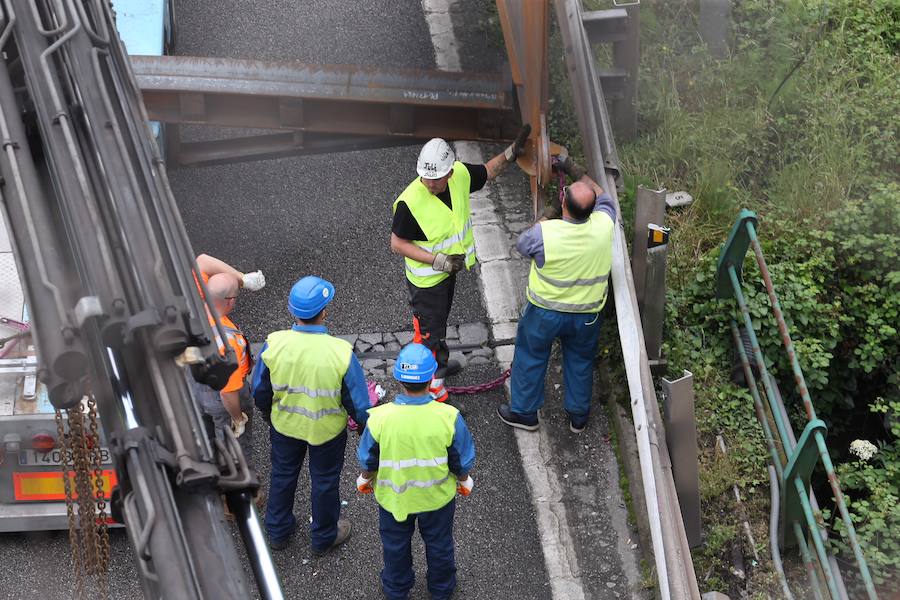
[
  {"x": 649, "y": 207},
  {"x": 681, "y": 436},
  {"x": 627, "y": 56}
]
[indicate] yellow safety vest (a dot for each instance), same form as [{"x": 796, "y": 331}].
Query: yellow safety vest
[
  {"x": 448, "y": 231},
  {"x": 413, "y": 474},
  {"x": 577, "y": 261},
  {"x": 307, "y": 371}
]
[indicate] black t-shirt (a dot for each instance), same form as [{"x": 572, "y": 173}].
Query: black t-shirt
[{"x": 405, "y": 225}]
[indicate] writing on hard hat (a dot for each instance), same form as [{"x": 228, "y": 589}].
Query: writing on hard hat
[
  {"x": 309, "y": 296},
  {"x": 435, "y": 159},
  {"x": 415, "y": 364}
]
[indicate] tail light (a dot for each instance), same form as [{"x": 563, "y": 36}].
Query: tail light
[{"x": 43, "y": 441}]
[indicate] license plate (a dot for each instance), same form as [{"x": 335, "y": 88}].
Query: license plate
[{"x": 32, "y": 458}]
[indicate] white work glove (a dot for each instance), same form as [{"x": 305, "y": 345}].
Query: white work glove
[
  {"x": 449, "y": 263},
  {"x": 363, "y": 485},
  {"x": 254, "y": 281},
  {"x": 465, "y": 486},
  {"x": 238, "y": 425}
]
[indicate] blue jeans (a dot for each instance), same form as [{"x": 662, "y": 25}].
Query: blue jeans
[
  {"x": 436, "y": 529},
  {"x": 325, "y": 465},
  {"x": 578, "y": 333}
]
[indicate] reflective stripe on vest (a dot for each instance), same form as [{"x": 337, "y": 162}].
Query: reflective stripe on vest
[
  {"x": 577, "y": 263},
  {"x": 448, "y": 230},
  {"x": 413, "y": 471},
  {"x": 307, "y": 372}
]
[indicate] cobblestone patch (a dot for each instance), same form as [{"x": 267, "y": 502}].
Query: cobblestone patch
[{"x": 469, "y": 344}]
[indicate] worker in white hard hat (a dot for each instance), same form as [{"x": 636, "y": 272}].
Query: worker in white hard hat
[{"x": 432, "y": 230}]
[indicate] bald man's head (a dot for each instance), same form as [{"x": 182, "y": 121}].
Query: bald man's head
[
  {"x": 579, "y": 201},
  {"x": 223, "y": 289}
]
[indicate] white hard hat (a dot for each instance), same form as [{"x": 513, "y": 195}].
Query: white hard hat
[{"x": 435, "y": 159}]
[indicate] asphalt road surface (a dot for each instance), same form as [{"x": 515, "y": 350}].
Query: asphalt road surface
[{"x": 330, "y": 216}]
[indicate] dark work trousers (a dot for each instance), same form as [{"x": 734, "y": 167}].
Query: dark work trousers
[
  {"x": 325, "y": 464},
  {"x": 432, "y": 307},
  {"x": 210, "y": 402},
  {"x": 436, "y": 529}
]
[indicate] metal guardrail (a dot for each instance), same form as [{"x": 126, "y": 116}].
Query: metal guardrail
[
  {"x": 671, "y": 552},
  {"x": 795, "y": 467}
]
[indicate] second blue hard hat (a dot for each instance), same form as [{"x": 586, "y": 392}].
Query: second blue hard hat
[
  {"x": 309, "y": 296},
  {"x": 415, "y": 364}
]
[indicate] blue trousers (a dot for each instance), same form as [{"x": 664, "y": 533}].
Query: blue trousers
[
  {"x": 578, "y": 334},
  {"x": 436, "y": 529},
  {"x": 325, "y": 464}
]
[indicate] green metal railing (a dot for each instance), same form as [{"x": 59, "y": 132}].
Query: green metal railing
[{"x": 795, "y": 463}]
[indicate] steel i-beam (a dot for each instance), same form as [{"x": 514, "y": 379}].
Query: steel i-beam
[{"x": 337, "y": 106}]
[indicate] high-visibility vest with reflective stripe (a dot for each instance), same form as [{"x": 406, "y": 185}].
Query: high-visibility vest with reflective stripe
[
  {"x": 242, "y": 353},
  {"x": 577, "y": 261},
  {"x": 413, "y": 474},
  {"x": 448, "y": 231},
  {"x": 307, "y": 371}
]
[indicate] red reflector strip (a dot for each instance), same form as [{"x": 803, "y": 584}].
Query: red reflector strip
[{"x": 50, "y": 486}]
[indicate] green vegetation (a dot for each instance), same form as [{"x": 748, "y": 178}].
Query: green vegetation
[{"x": 799, "y": 124}]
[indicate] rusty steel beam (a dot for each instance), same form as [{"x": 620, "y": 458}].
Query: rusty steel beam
[
  {"x": 525, "y": 32},
  {"x": 327, "y": 99}
]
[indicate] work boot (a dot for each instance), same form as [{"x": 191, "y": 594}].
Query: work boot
[
  {"x": 343, "y": 533},
  {"x": 577, "y": 423},
  {"x": 516, "y": 420},
  {"x": 281, "y": 544}
]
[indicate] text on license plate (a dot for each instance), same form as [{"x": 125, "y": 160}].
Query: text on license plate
[{"x": 32, "y": 458}]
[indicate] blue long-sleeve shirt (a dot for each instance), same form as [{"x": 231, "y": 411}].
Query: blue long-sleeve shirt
[
  {"x": 354, "y": 391},
  {"x": 460, "y": 454},
  {"x": 531, "y": 241}
]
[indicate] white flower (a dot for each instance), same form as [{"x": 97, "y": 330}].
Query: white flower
[{"x": 863, "y": 449}]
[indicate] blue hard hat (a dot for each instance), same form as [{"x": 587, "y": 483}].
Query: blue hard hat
[
  {"x": 309, "y": 296},
  {"x": 415, "y": 364}
]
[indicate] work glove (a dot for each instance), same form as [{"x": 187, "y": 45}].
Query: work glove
[
  {"x": 254, "y": 281},
  {"x": 238, "y": 425},
  {"x": 449, "y": 263},
  {"x": 465, "y": 486},
  {"x": 364, "y": 485},
  {"x": 517, "y": 148},
  {"x": 571, "y": 168}
]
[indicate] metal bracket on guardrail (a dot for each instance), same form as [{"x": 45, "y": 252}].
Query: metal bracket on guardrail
[{"x": 681, "y": 434}]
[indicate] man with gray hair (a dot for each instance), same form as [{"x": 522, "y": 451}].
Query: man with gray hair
[{"x": 231, "y": 406}]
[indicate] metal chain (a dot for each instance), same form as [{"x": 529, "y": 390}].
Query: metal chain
[
  {"x": 102, "y": 539},
  {"x": 481, "y": 387},
  {"x": 83, "y": 489},
  {"x": 77, "y": 552},
  {"x": 88, "y": 534}
]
